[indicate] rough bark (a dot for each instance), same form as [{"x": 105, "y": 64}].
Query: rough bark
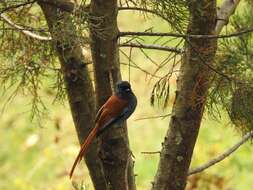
[
  {"x": 192, "y": 87},
  {"x": 115, "y": 154},
  {"x": 64, "y": 5},
  {"x": 78, "y": 83}
]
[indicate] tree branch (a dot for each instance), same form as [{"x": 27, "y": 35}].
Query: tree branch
[
  {"x": 177, "y": 35},
  {"x": 154, "y": 117},
  {"x": 224, "y": 155},
  {"x": 23, "y": 30},
  {"x": 155, "y": 152},
  {"x": 153, "y": 46},
  {"x": 226, "y": 10}
]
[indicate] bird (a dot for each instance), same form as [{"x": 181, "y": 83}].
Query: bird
[{"x": 118, "y": 108}]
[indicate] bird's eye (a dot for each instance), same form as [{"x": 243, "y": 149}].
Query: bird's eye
[{"x": 127, "y": 89}]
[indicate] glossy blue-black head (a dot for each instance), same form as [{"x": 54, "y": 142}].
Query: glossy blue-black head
[{"x": 123, "y": 87}]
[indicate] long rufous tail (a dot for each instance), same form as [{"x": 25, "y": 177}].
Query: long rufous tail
[{"x": 84, "y": 148}]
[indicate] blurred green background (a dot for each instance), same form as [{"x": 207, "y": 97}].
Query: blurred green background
[{"x": 39, "y": 157}]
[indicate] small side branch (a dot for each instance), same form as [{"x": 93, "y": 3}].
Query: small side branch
[
  {"x": 155, "y": 152},
  {"x": 167, "y": 34},
  {"x": 23, "y": 30},
  {"x": 154, "y": 117},
  {"x": 153, "y": 46},
  {"x": 224, "y": 155}
]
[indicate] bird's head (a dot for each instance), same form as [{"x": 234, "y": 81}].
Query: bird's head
[{"x": 123, "y": 87}]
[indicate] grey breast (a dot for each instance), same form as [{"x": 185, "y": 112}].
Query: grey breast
[{"x": 132, "y": 104}]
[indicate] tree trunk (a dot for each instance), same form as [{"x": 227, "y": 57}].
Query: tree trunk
[
  {"x": 78, "y": 84},
  {"x": 115, "y": 154},
  {"x": 192, "y": 87}
]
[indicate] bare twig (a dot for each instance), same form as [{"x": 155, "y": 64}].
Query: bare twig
[
  {"x": 224, "y": 155},
  {"x": 168, "y": 34},
  {"x": 169, "y": 59},
  {"x": 153, "y": 117},
  {"x": 23, "y": 30},
  {"x": 155, "y": 152},
  {"x": 136, "y": 66},
  {"x": 147, "y": 56},
  {"x": 153, "y": 46}
]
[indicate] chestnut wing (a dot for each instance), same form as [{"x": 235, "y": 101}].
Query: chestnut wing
[{"x": 112, "y": 111}]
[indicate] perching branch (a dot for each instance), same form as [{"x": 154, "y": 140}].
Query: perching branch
[
  {"x": 224, "y": 155},
  {"x": 168, "y": 34},
  {"x": 23, "y": 30},
  {"x": 153, "y": 46}
]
